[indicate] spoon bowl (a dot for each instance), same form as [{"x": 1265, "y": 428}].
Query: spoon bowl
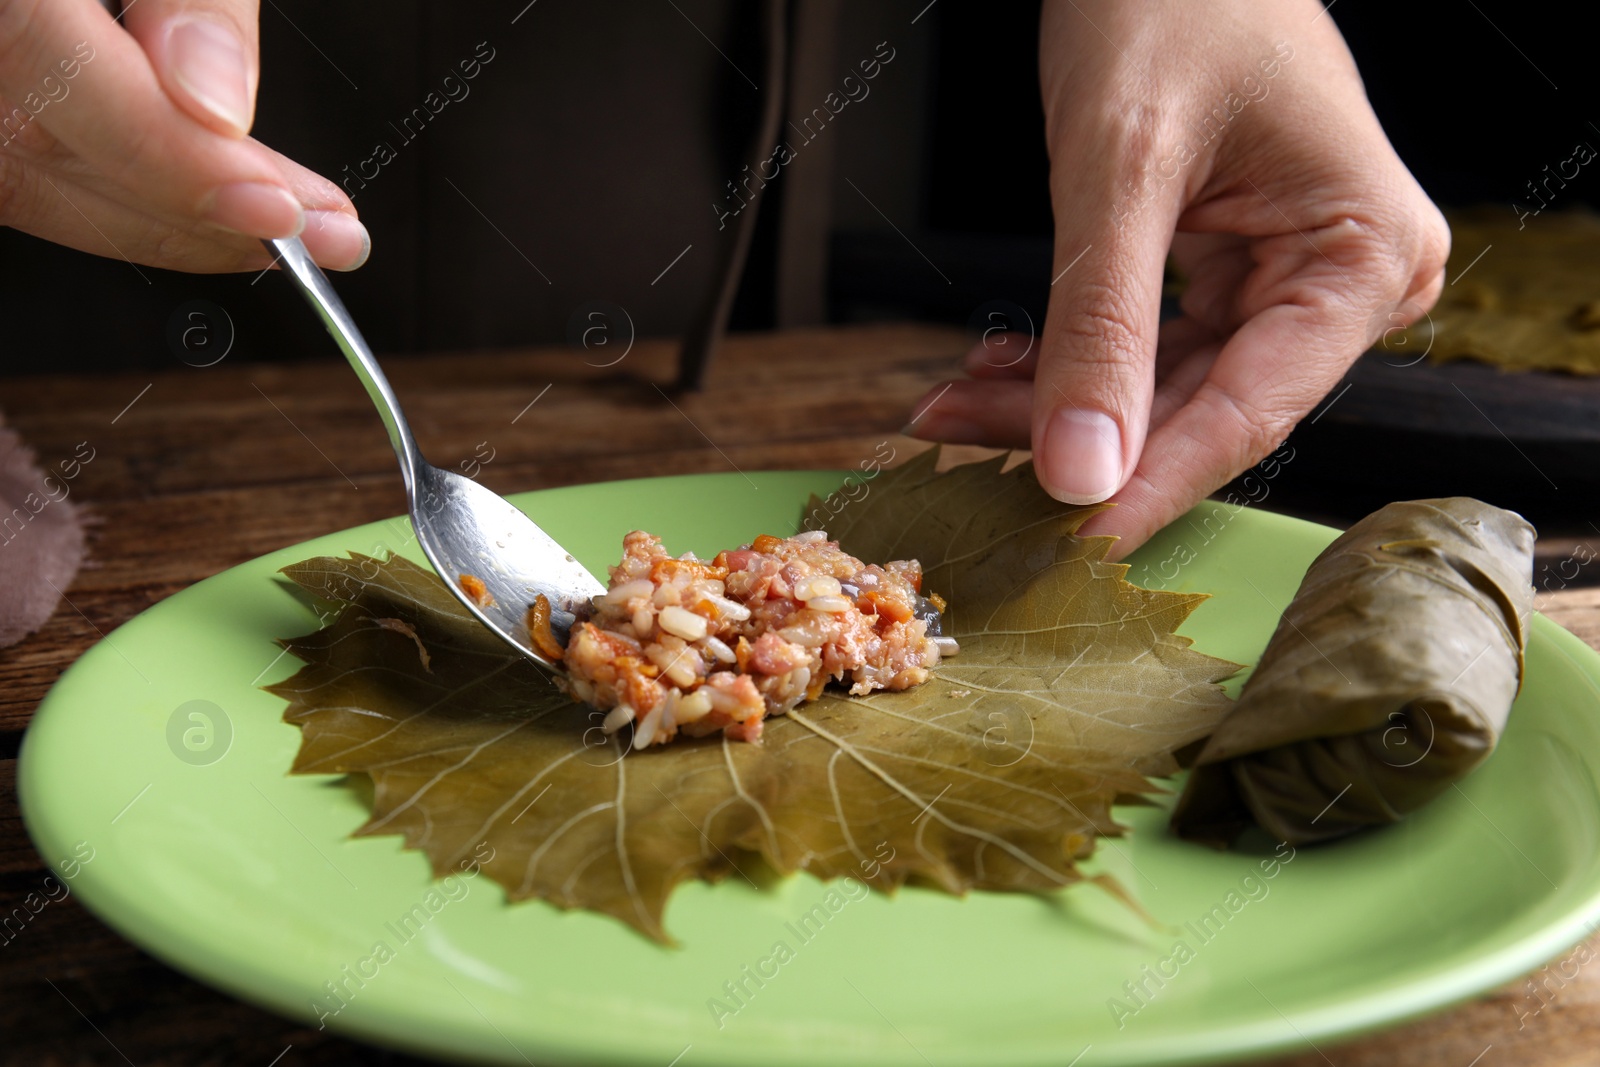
[{"x": 464, "y": 528}]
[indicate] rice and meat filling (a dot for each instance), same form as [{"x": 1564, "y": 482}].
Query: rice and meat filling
[{"x": 683, "y": 645}]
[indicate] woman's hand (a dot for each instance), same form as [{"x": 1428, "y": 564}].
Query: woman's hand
[
  {"x": 133, "y": 144},
  {"x": 1236, "y": 136}
]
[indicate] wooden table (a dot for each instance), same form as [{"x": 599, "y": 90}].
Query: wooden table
[{"x": 197, "y": 470}]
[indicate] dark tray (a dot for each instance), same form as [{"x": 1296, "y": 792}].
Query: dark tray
[{"x": 1398, "y": 428}]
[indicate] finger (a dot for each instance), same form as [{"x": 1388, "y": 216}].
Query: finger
[
  {"x": 206, "y": 54},
  {"x": 982, "y": 363},
  {"x": 56, "y": 209},
  {"x": 1243, "y": 408},
  {"x": 79, "y": 215},
  {"x": 993, "y": 413},
  {"x": 314, "y": 192},
  {"x": 1417, "y": 302},
  {"x": 1216, "y": 266},
  {"x": 1178, "y": 382},
  {"x": 962, "y": 414},
  {"x": 1096, "y": 363},
  {"x": 333, "y": 235},
  {"x": 1177, "y": 341},
  {"x": 995, "y": 410},
  {"x": 1002, "y": 356},
  {"x": 113, "y": 114},
  {"x": 335, "y": 240},
  {"x": 1309, "y": 311}
]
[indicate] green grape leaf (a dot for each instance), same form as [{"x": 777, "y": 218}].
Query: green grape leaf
[
  {"x": 1071, "y": 688},
  {"x": 1531, "y": 304}
]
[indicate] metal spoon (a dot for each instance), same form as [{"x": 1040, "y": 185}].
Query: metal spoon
[{"x": 464, "y": 528}]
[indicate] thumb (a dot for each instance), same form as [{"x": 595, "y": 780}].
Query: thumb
[{"x": 1096, "y": 372}]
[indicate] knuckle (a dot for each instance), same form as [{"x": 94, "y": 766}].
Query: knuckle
[
  {"x": 1433, "y": 240},
  {"x": 1132, "y": 129},
  {"x": 1119, "y": 119},
  {"x": 1401, "y": 256},
  {"x": 1407, "y": 246},
  {"x": 1100, "y": 327},
  {"x": 1257, "y": 427}
]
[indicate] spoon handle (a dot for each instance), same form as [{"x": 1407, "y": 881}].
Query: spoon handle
[{"x": 318, "y": 291}]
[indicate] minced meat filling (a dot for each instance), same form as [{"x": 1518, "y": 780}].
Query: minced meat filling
[{"x": 680, "y": 645}]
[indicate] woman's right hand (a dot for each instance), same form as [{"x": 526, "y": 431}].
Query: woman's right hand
[{"x": 134, "y": 144}]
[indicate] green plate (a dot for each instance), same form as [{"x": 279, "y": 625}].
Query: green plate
[{"x": 180, "y": 828}]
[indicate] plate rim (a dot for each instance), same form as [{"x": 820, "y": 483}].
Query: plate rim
[{"x": 1369, "y": 1011}]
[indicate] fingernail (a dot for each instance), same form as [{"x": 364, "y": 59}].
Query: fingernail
[
  {"x": 1082, "y": 456},
  {"x": 342, "y": 243},
  {"x": 208, "y": 61},
  {"x": 255, "y": 208}
]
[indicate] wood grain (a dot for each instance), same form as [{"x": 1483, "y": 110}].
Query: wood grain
[{"x": 210, "y": 468}]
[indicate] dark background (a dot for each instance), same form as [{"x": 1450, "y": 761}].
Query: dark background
[
  {"x": 597, "y": 139},
  {"x": 596, "y": 142}
]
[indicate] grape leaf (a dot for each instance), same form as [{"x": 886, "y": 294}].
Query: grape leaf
[
  {"x": 1532, "y": 305},
  {"x": 1070, "y": 689}
]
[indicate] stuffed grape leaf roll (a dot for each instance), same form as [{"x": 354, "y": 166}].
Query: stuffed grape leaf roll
[{"x": 1389, "y": 678}]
